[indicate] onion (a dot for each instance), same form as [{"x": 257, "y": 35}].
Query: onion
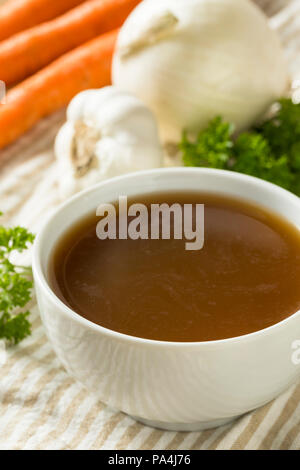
[{"x": 190, "y": 60}]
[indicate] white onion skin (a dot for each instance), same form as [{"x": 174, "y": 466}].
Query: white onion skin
[{"x": 222, "y": 58}]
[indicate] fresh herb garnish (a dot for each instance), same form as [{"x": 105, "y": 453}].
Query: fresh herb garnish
[
  {"x": 270, "y": 151},
  {"x": 15, "y": 285}
]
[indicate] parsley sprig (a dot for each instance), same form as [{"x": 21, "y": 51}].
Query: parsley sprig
[
  {"x": 270, "y": 151},
  {"x": 15, "y": 285}
]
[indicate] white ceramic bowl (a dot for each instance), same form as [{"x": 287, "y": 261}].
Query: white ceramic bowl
[{"x": 177, "y": 386}]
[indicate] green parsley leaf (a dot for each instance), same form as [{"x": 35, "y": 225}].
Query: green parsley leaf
[
  {"x": 15, "y": 285},
  {"x": 253, "y": 156},
  {"x": 270, "y": 151},
  {"x": 212, "y": 148}
]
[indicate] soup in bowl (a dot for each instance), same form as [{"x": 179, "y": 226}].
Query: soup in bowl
[{"x": 173, "y": 294}]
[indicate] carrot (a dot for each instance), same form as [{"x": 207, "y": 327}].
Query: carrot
[
  {"x": 88, "y": 66},
  {"x": 29, "y": 51},
  {"x": 17, "y": 15}
]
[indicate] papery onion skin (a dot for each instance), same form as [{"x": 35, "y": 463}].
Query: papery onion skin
[{"x": 219, "y": 57}]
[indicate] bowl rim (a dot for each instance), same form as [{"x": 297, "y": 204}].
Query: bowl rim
[{"x": 40, "y": 278}]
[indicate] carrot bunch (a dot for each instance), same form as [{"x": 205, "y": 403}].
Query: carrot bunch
[
  {"x": 18, "y": 15},
  {"x": 56, "y": 59}
]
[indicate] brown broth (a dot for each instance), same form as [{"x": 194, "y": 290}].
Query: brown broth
[{"x": 246, "y": 277}]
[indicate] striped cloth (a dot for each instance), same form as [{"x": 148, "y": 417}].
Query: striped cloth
[{"x": 41, "y": 407}]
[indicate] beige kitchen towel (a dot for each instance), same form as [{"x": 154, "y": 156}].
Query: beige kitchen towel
[{"x": 41, "y": 407}]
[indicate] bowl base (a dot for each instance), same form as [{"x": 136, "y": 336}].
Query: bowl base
[{"x": 188, "y": 427}]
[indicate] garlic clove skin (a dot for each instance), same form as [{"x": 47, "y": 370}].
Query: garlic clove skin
[
  {"x": 107, "y": 133},
  {"x": 62, "y": 149},
  {"x": 215, "y": 57}
]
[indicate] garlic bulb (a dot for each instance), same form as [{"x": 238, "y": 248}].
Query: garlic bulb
[
  {"x": 190, "y": 60},
  {"x": 107, "y": 133}
]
